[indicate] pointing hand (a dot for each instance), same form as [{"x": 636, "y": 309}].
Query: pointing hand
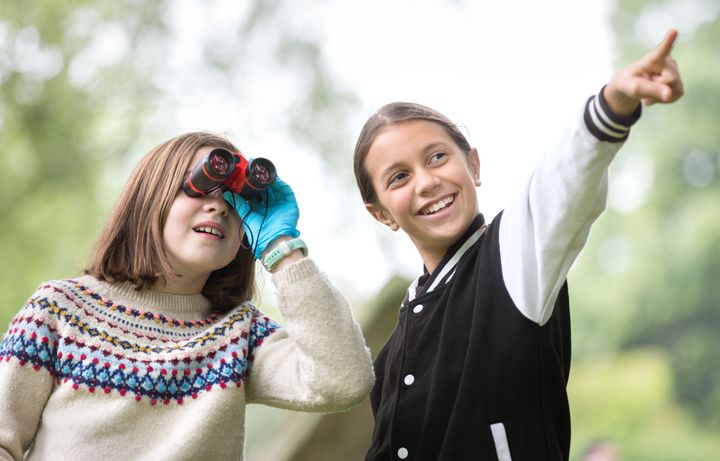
[{"x": 654, "y": 78}]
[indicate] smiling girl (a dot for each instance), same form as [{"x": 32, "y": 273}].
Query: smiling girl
[
  {"x": 155, "y": 351},
  {"x": 477, "y": 365}
]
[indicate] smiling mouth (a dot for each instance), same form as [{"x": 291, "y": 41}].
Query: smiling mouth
[
  {"x": 438, "y": 206},
  {"x": 209, "y": 230}
]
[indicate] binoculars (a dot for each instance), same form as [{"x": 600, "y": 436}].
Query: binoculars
[{"x": 223, "y": 168}]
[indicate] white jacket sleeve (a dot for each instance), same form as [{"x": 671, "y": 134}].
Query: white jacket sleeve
[
  {"x": 545, "y": 227},
  {"x": 318, "y": 361}
]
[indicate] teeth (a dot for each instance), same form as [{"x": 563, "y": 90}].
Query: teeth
[
  {"x": 209, "y": 230},
  {"x": 439, "y": 205}
]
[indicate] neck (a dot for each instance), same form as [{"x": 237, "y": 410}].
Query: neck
[
  {"x": 181, "y": 284},
  {"x": 431, "y": 259},
  {"x": 432, "y": 256},
  {"x": 180, "y": 306}
]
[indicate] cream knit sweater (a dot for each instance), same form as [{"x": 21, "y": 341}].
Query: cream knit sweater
[{"x": 91, "y": 370}]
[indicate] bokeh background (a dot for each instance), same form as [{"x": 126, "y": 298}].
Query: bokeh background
[{"x": 87, "y": 87}]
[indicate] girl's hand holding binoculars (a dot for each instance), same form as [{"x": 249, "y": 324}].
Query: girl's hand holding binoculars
[{"x": 267, "y": 216}]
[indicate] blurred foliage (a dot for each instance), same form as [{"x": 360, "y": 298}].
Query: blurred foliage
[
  {"x": 86, "y": 88},
  {"x": 627, "y": 400},
  {"x": 649, "y": 276},
  {"x": 71, "y": 103}
]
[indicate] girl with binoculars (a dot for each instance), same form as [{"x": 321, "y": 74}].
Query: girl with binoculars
[{"x": 154, "y": 352}]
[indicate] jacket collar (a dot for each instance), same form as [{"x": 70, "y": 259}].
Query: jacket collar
[{"x": 444, "y": 272}]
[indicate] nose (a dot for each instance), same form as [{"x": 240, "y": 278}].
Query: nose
[
  {"x": 216, "y": 192},
  {"x": 425, "y": 181},
  {"x": 215, "y": 202}
]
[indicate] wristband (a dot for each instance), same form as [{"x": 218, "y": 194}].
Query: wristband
[{"x": 283, "y": 249}]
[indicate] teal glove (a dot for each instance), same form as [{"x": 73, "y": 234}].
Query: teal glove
[{"x": 267, "y": 216}]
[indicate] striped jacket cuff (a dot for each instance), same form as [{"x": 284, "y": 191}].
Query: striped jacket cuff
[{"x": 604, "y": 124}]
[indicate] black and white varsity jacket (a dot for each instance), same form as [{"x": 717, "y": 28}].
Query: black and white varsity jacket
[{"x": 477, "y": 366}]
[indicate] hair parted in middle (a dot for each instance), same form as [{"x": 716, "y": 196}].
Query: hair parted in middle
[
  {"x": 131, "y": 247},
  {"x": 391, "y": 114}
]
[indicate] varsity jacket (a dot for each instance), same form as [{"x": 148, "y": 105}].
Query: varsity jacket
[{"x": 478, "y": 363}]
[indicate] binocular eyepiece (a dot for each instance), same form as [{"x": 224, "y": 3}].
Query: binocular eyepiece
[{"x": 223, "y": 168}]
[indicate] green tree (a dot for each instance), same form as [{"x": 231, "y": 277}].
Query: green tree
[{"x": 72, "y": 97}]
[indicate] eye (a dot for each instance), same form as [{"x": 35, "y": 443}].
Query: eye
[
  {"x": 397, "y": 178},
  {"x": 437, "y": 157}
]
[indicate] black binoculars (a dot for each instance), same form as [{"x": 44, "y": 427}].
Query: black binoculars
[{"x": 223, "y": 168}]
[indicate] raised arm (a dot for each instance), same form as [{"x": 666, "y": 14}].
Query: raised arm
[
  {"x": 544, "y": 229},
  {"x": 318, "y": 361}
]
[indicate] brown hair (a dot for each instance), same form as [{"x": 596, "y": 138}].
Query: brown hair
[
  {"x": 390, "y": 114},
  {"x": 131, "y": 247}
]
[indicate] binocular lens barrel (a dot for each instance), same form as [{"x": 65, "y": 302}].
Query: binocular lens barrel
[
  {"x": 261, "y": 173},
  {"x": 210, "y": 173},
  {"x": 220, "y": 163}
]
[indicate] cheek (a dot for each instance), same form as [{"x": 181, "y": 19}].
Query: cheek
[
  {"x": 172, "y": 223},
  {"x": 387, "y": 201},
  {"x": 238, "y": 232},
  {"x": 181, "y": 209},
  {"x": 398, "y": 204},
  {"x": 404, "y": 200}
]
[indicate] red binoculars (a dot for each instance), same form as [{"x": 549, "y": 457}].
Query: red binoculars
[{"x": 232, "y": 171}]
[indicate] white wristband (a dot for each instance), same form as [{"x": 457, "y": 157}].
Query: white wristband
[{"x": 283, "y": 249}]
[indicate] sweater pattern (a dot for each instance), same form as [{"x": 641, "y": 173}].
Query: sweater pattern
[{"x": 93, "y": 343}]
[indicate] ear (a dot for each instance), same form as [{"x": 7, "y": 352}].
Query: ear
[
  {"x": 474, "y": 164},
  {"x": 382, "y": 216}
]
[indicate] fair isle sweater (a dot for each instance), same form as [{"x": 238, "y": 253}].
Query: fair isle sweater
[{"x": 92, "y": 370}]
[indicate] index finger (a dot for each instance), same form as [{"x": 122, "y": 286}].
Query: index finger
[{"x": 663, "y": 50}]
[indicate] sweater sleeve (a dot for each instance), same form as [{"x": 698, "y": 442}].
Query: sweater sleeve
[
  {"x": 318, "y": 361},
  {"x": 543, "y": 230},
  {"x": 27, "y": 354}
]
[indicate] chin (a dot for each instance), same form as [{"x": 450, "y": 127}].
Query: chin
[{"x": 451, "y": 231}]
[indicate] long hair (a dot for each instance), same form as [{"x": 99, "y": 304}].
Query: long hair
[
  {"x": 131, "y": 247},
  {"x": 390, "y": 114}
]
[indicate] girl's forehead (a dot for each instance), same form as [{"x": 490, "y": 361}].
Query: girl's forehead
[{"x": 408, "y": 137}]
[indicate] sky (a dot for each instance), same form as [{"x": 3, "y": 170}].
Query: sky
[{"x": 514, "y": 74}]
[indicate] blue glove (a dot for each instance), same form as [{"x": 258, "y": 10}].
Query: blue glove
[{"x": 267, "y": 216}]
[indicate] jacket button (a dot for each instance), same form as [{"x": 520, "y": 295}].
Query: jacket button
[
  {"x": 402, "y": 453},
  {"x": 417, "y": 309},
  {"x": 409, "y": 379}
]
